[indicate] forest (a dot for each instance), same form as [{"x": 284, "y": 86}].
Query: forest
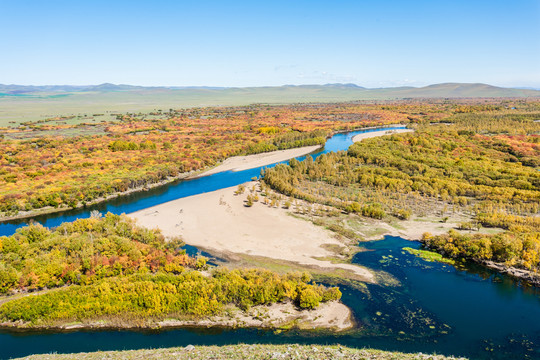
[
  {"x": 107, "y": 267},
  {"x": 480, "y": 162},
  {"x": 80, "y": 160},
  {"x": 57, "y": 164}
]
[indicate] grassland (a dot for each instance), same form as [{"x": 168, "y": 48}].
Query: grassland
[
  {"x": 41, "y": 103},
  {"x": 247, "y": 352}
]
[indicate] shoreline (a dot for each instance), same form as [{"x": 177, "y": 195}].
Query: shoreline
[
  {"x": 51, "y": 210},
  {"x": 373, "y": 134},
  {"x": 246, "y": 162},
  {"x": 528, "y": 276},
  {"x": 333, "y": 316},
  {"x": 413, "y": 229},
  {"x": 241, "y": 162},
  {"x": 281, "y": 155}
]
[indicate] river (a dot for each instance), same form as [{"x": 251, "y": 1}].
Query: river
[
  {"x": 175, "y": 190},
  {"x": 463, "y": 310}
]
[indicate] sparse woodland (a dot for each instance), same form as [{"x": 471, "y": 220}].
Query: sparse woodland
[{"x": 480, "y": 162}]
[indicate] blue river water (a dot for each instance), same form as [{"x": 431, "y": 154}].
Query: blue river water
[{"x": 462, "y": 310}]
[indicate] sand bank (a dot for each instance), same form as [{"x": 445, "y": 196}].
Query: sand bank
[
  {"x": 373, "y": 134},
  {"x": 239, "y": 163},
  {"x": 220, "y": 222},
  {"x": 331, "y": 315},
  {"x": 407, "y": 229}
]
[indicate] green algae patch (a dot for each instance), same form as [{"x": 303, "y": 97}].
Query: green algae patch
[{"x": 429, "y": 255}]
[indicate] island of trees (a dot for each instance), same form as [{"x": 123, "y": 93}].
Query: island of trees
[{"x": 107, "y": 269}]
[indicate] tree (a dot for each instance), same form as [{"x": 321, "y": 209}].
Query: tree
[
  {"x": 249, "y": 201},
  {"x": 309, "y": 298}
]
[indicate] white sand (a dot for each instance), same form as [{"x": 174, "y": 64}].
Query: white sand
[
  {"x": 373, "y": 134},
  {"x": 218, "y": 221},
  {"x": 239, "y": 163}
]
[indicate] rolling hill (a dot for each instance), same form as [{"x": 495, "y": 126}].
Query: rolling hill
[{"x": 19, "y": 103}]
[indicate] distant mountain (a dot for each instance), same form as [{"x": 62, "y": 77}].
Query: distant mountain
[
  {"x": 20, "y": 103},
  {"x": 112, "y": 87},
  {"x": 335, "y": 85},
  {"x": 460, "y": 90},
  {"x": 299, "y": 93},
  {"x": 526, "y": 88},
  {"x": 348, "y": 85},
  {"x": 21, "y": 89}
]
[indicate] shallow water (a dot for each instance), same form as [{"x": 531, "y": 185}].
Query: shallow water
[{"x": 485, "y": 314}]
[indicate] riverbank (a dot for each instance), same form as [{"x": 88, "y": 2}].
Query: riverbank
[
  {"x": 411, "y": 229},
  {"x": 239, "y": 163},
  {"x": 220, "y": 222},
  {"x": 50, "y": 210},
  {"x": 247, "y": 352},
  {"x": 333, "y": 316},
  {"x": 415, "y": 228},
  {"x": 373, "y": 134},
  {"x": 530, "y": 277}
]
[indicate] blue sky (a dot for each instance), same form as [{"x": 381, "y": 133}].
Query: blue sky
[{"x": 375, "y": 43}]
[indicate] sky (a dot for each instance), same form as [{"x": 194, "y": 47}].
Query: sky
[{"x": 378, "y": 43}]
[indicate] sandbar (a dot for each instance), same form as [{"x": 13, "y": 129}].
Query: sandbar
[
  {"x": 239, "y": 163},
  {"x": 373, "y": 134},
  {"x": 220, "y": 222}
]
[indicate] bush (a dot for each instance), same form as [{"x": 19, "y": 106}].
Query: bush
[
  {"x": 354, "y": 207},
  {"x": 403, "y": 214},
  {"x": 374, "y": 211},
  {"x": 158, "y": 295},
  {"x": 331, "y": 294},
  {"x": 309, "y": 298}
]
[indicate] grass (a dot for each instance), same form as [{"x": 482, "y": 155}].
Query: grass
[
  {"x": 85, "y": 130},
  {"x": 429, "y": 255},
  {"x": 22, "y": 109},
  {"x": 283, "y": 266},
  {"x": 46, "y": 105},
  {"x": 247, "y": 352}
]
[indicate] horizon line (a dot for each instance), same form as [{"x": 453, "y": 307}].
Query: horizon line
[{"x": 521, "y": 87}]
